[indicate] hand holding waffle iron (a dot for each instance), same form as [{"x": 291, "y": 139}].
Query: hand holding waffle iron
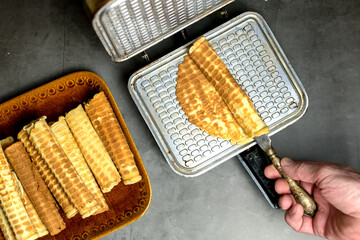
[
  {"x": 76, "y": 160},
  {"x": 213, "y": 100},
  {"x": 336, "y": 189}
]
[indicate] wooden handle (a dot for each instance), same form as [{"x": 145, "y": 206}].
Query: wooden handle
[{"x": 300, "y": 195}]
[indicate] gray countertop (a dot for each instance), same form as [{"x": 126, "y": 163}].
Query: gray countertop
[{"x": 43, "y": 40}]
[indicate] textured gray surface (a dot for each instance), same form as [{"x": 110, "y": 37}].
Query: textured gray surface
[{"x": 43, "y": 40}]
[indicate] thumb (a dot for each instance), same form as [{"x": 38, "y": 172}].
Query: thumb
[{"x": 304, "y": 171}]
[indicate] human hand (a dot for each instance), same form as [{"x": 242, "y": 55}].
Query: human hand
[{"x": 336, "y": 190}]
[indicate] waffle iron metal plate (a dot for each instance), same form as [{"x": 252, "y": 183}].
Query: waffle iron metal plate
[
  {"x": 255, "y": 59},
  {"x": 127, "y": 27}
]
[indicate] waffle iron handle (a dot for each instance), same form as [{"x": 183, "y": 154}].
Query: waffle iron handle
[{"x": 300, "y": 195}]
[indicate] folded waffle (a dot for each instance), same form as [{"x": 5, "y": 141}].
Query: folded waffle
[
  {"x": 109, "y": 130},
  {"x": 11, "y": 203},
  {"x": 235, "y": 98},
  {"x": 35, "y": 188},
  {"x": 6, "y": 227},
  {"x": 204, "y": 106},
  {"x": 46, "y": 174},
  {"x": 71, "y": 149},
  {"x": 93, "y": 149},
  {"x": 33, "y": 215},
  {"x": 45, "y": 143}
]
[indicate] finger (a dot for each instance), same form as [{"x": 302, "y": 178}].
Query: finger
[
  {"x": 322, "y": 214},
  {"x": 281, "y": 186},
  {"x": 309, "y": 187},
  {"x": 311, "y": 172},
  {"x": 271, "y": 172},
  {"x": 294, "y": 217},
  {"x": 286, "y": 201}
]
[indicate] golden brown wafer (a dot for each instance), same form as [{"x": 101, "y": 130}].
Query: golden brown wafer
[
  {"x": 93, "y": 149},
  {"x": 6, "y": 227},
  {"x": 11, "y": 203},
  {"x": 235, "y": 98},
  {"x": 46, "y": 173},
  {"x": 35, "y": 188},
  {"x": 33, "y": 215},
  {"x": 45, "y": 143},
  {"x": 109, "y": 130},
  {"x": 71, "y": 149},
  {"x": 203, "y": 105}
]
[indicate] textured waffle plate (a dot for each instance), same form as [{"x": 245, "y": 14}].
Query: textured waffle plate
[
  {"x": 255, "y": 59},
  {"x": 127, "y": 27},
  {"x": 126, "y": 203}
]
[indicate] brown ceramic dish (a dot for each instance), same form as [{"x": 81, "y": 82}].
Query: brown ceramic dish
[{"x": 126, "y": 203}]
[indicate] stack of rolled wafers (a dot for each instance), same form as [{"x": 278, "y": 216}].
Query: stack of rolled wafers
[
  {"x": 93, "y": 149},
  {"x": 70, "y": 162},
  {"x": 48, "y": 176},
  {"x": 50, "y": 150},
  {"x": 218, "y": 105},
  {"x": 73, "y": 152}
]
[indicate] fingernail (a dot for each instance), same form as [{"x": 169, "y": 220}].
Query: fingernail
[{"x": 286, "y": 162}]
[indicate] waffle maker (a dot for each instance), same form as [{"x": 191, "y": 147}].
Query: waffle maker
[{"x": 247, "y": 47}]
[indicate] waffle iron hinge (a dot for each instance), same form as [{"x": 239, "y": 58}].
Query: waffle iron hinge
[
  {"x": 224, "y": 13},
  {"x": 184, "y": 34},
  {"x": 145, "y": 56}
]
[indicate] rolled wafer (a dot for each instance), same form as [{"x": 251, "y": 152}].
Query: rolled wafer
[
  {"x": 235, "y": 98},
  {"x": 6, "y": 227},
  {"x": 45, "y": 143},
  {"x": 46, "y": 174},
  {"x": 109, "y": 130},
  {"x": 71, "y": 149},
  {"x": 35, "y": 188},
  {"x": 93, "y": 149},
  {"x": 11, "y": 203},
  {"x": 33, "y": 215}
]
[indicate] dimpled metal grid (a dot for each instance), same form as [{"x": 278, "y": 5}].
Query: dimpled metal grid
[
  {"x": 128, "y": 27},
  {"x": 246, "y": 52},
  {"x": 254, "y": 67}
]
